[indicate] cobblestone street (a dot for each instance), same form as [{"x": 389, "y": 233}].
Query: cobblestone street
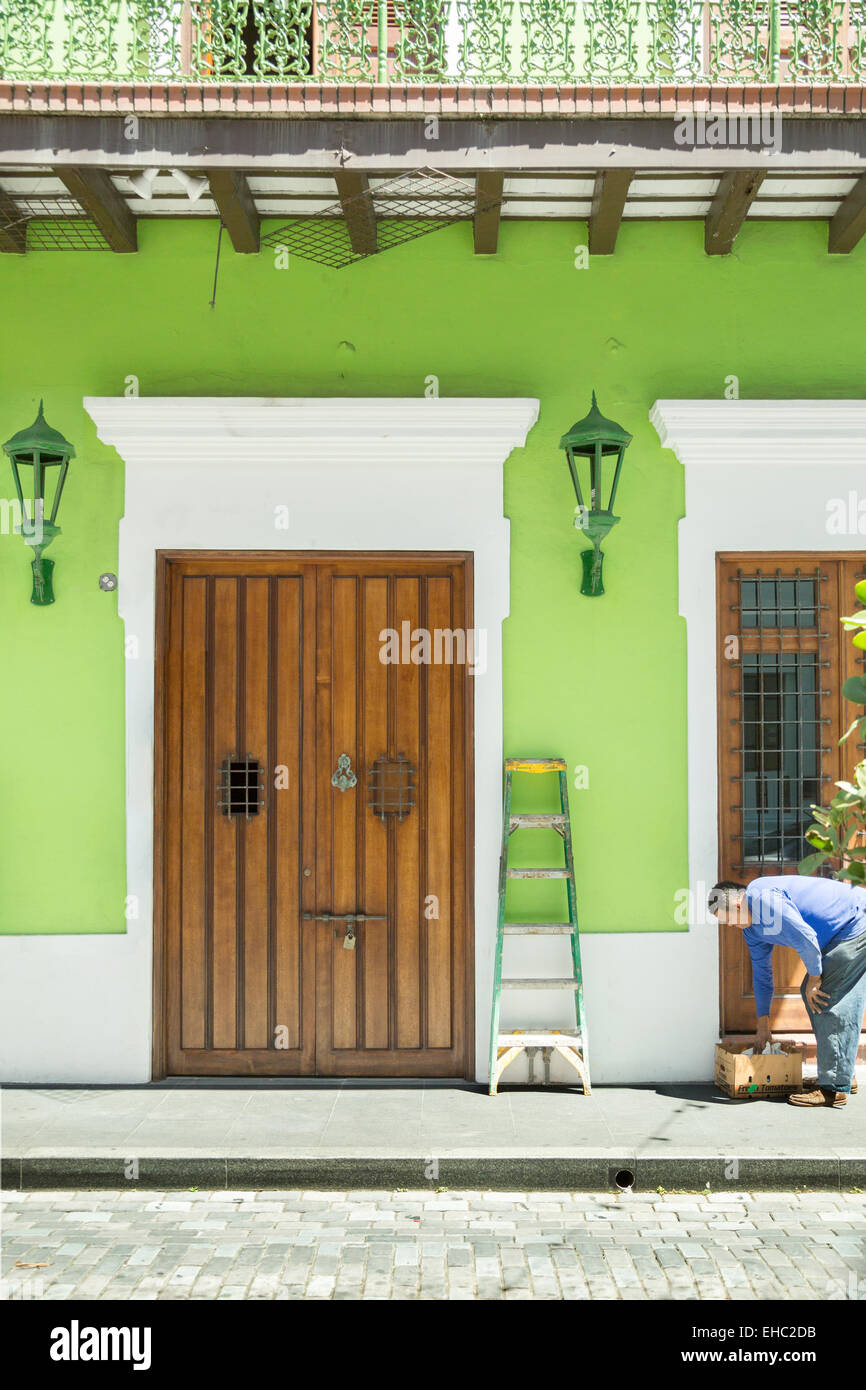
[{"x": 428, "y": 1245}]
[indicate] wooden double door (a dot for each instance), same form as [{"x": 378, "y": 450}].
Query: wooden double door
[{"x": 313, "y": 810}]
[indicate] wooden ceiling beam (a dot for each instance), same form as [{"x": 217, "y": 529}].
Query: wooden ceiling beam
[
  {"x": 93, "y": 189},
  {"x": 237, "y": 209},
  {"x": 848, "y": 223},
  {"x": 488, "y": 207},
  {"x": 352, "y": 186},
  {"x": 734, "y": 196},
  {"x": 608, "y": 200}
]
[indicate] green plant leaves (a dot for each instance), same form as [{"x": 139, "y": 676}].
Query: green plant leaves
[
  {"x": 818, "y": 841},
  {"x": 855, "y": 689},
  {"x": 810, "y": 863}
]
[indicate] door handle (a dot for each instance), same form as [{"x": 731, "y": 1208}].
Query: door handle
[{"x": 343, "y": 777}]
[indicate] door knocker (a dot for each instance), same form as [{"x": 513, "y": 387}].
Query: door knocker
[{"x": 343, "y": 777}]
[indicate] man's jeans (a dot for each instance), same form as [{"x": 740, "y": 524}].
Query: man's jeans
[{"x": 837, "y": 1027}]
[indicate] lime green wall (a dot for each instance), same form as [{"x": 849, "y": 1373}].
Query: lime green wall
[{"x": 600, "y": 681}]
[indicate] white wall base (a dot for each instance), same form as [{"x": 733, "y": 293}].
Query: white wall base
[{"x": 76, "y": 1009}]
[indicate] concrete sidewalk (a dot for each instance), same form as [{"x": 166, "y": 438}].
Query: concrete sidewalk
[{"x": 229, "y": 1132}]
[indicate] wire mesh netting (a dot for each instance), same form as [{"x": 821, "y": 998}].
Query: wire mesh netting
[
  {"x": 51, "y": 223},
  {"x": 378, "y": 219}
]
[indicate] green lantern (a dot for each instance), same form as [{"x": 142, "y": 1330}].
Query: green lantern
[
  {"x": 595, "y": 446},
  {"x": 43, "y": 449}
]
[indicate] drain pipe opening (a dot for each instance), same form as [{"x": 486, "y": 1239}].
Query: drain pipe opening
[{"x": 624, "y": 1179}]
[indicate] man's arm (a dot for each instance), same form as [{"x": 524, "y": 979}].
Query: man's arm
[{"x": 761, "y": 953}]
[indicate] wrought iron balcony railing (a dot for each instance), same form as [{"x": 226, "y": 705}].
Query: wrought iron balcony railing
[{"x": 476, "y": 42}]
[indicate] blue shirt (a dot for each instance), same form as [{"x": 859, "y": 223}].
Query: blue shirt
[{"x": 809, "y": 914}]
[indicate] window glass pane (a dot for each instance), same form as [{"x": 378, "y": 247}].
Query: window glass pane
[
  {"x": 781, "y": 740},
  {"x": 778, "y": 601}
]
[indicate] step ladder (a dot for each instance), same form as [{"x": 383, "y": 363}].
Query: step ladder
[{"x": 571, "y": 1044}]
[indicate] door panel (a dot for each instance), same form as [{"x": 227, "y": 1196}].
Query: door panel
[
  {"x": 235, "y": 957},
  {"x": 395, "y": 1004},
  {"x": 278, "y": 659},
  {"x": 783, "y": 658},
  {"x": 407, "y": 839}
]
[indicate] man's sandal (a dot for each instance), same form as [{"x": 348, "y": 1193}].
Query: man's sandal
[
  {"x": 811, "y": 1084},
  {"x": 818, "y": 1097}
]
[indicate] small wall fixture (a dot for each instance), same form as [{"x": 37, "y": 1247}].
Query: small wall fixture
[
  {"x": 596, "y": 446},
  {"x": 41, "y": 448}
]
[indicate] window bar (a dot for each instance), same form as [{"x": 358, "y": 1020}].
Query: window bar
[
  {"x": 861, "y": 656},
  {"x": 787, "y": 774},
  {"x": 760, "y": 788},
  {"x": 741, "y": 717},
  {"x": 801, "y": 701}
]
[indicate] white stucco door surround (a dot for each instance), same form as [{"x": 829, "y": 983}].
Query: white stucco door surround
[
  {"x": 760, "y": 475},
  {"x": 227, "y": 474}
]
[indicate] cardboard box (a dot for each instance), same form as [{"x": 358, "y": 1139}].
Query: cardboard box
[{"x": 775, "y": 1075}]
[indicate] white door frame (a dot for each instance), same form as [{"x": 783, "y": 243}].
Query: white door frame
[
  {"x": 302, "y": 474},
  {"x": 760, "y": 475}
]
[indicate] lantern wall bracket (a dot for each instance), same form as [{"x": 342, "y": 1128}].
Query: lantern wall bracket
[
  {"x": 41, "y": 449},
  {"x": 39, "y": 536},
  {"x": 595, "y": 525}
]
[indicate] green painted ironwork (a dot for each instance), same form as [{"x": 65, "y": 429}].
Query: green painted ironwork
[
  {"x": 856, "y": 50},
  {"x": 419, "y": 50},
  {"x": 156, "y": 40},
  {"x": 90, "y": 46},
  {"x": 485, "y": 40},
  {"x": 477, "y": 42},
  {"x": 283, "y": 39},
  {"x": 219, "y": 51},
  {"x": 816, "y": 50},
  {"x": 25, "y": 38},
  {"x": 547, "y": 50},
  {"x": 611, "y": 47},
  {"x": 382, "y": 42},
  {"x": 740, "y": 40},
  {"x": 676, "y": 30},
  {"x": 345, "y": 47}
]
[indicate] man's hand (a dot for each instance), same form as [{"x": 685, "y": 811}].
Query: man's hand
[
  {"x": 763, "y": 1034},
  {"x": 816, "y": 998}
]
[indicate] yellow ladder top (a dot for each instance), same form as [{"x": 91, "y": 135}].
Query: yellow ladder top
[{"x": 535, "y": 765}]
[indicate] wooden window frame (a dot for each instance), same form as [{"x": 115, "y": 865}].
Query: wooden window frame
[{"x": 842, "y": 660}]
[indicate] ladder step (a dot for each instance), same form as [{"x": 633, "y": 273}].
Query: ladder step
[
  {"x": 536, "y": 983},
  {"x": 538, "y": 928},
  {"x": 535, "y": 765},
  {"x": 539, "y": 1037},
  {"x": 538, "y": 873},
  {"x": 556, "y": 818}
]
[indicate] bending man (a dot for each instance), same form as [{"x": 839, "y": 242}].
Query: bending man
[{"x": 825, "y": 923}]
